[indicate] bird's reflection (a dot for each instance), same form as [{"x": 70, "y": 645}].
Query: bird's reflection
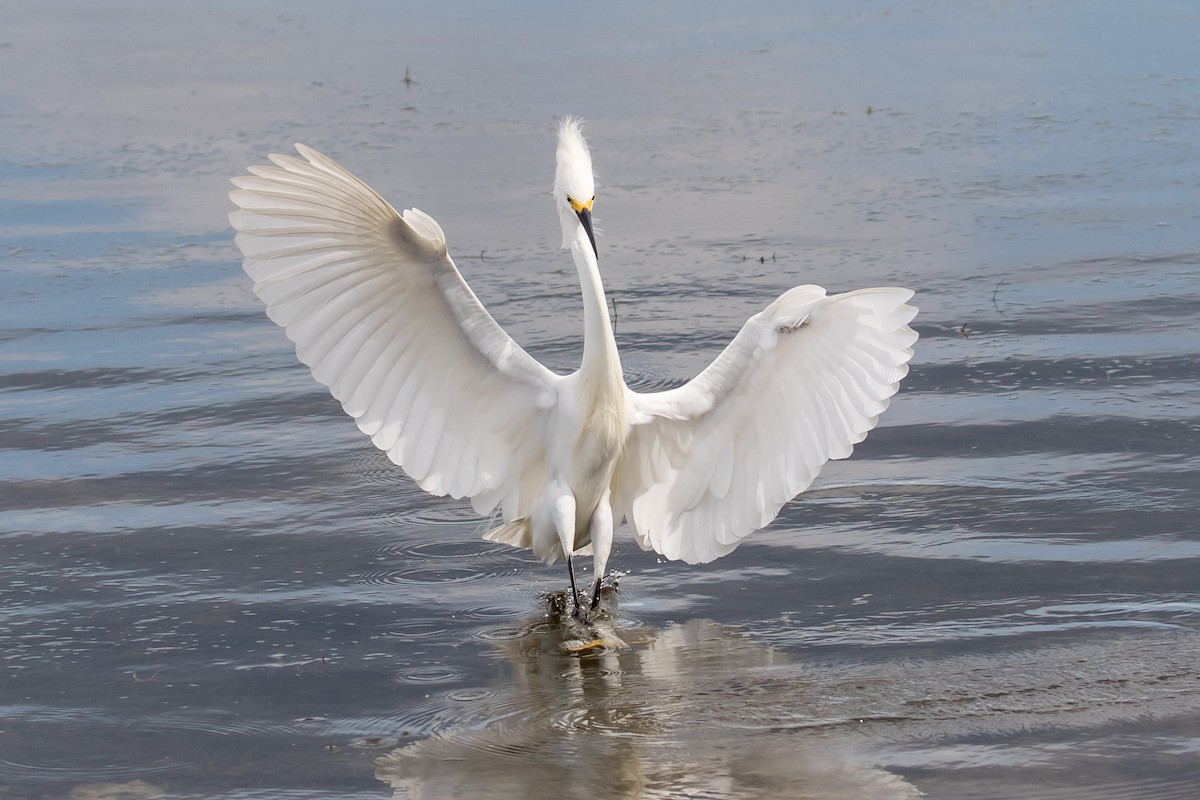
[{"x": 616, "y": 710}]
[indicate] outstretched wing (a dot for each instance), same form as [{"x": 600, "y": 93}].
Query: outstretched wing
[
  {"x": 379, "y": 312},
  {"x": 801, "y": 383}
]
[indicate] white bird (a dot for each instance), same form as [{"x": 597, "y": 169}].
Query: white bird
[{"x": 382, "y": 316}]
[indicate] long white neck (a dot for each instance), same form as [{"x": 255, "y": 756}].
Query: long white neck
[{"x": 600, "y": 357}]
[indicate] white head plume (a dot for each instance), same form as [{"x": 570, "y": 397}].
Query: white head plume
[{"x": 573, "y": 179}]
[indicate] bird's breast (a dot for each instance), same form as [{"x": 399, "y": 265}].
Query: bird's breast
[{"x": 594, "y": 432}]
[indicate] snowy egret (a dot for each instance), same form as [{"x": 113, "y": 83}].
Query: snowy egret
[{"x": 380, "y": 313}]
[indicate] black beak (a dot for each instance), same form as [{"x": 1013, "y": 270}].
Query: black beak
[{"x": 585, "y": 219}]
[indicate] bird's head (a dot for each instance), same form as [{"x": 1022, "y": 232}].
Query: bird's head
[{"x": 574, "y": 184}]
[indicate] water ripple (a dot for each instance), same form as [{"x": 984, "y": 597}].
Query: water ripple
[
  {"x": 214, "y": 722},
  {"x": 995, "y": 597},
  {"x": 680, "y": 693}
]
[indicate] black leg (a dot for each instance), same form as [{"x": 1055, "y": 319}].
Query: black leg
[
  {"x": 577, "y": 612},
  {"x": 596, "y": 592}
]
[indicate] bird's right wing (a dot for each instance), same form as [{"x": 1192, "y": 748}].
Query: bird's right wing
[
  {"x": 802, "y": 382},
  {"x": 381, "y": 315}
]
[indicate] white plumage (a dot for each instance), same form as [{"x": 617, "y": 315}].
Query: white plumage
[{"x": 379, "y": 312}]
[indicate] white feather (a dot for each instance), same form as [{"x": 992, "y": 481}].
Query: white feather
[
  {"x": 381, "y": 315},
  {"x": 804, "y": 380}
]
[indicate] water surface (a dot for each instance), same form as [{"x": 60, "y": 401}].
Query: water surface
[{"x": 211, "y": 586}]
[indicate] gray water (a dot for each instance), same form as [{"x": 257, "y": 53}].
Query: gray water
[{"x": 211, "y": 586}]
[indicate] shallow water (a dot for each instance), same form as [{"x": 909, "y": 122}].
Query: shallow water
[{"x": 211, "y": 585}]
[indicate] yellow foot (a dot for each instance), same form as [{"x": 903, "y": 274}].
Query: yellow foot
[{"x": 578, "y": 645}]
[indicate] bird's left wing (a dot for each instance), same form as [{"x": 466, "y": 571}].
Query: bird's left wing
[
  {"x": 802, "y": 382},
  {"x": 381, "y": 315}
]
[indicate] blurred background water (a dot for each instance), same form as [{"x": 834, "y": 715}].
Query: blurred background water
[{"x": 212, "y": 586}]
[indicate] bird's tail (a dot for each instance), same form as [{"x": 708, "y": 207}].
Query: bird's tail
[{"x": 518, "y": 533}]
